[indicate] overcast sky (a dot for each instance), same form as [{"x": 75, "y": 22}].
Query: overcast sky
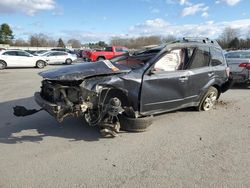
[{"x": 94, "y": 20}]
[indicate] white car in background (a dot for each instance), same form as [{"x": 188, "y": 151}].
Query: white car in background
[
  {"x": 20, "y": 58},
  {"x": 58, "y": 57}
]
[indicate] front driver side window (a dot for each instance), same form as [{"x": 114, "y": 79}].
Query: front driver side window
[
  {"x": 169, "y": 62},
  {"x": 174, "y": 60}
]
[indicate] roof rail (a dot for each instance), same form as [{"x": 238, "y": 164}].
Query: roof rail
[{"x": 200, "y": 39}]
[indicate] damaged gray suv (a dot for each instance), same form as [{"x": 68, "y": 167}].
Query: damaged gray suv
[{"x": 126, "y": 91}]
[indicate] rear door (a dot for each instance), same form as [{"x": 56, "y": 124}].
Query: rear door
[
  {"x": 61, "y": 57},
  {"x": 200, "y": 72},
  {"x": 52, "y": 58}
]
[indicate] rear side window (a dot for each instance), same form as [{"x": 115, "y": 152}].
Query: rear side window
[
  {"x": 60, "y": 53},
  {"x": 217, "y": 57},
  {"x": 200, "y": 59},
  {"x": 121, "y": 50},
  {"x": 245, "y": 55},
  {"x": 233, "y": 55},
  {"x": 108, "y": 49},
  {"x": 21, "y": 53}
]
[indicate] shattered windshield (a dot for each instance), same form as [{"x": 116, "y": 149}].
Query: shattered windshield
[{"x": 137, "y": 59}]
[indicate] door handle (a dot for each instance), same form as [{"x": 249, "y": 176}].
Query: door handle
[{"x": 183, "y": 78}]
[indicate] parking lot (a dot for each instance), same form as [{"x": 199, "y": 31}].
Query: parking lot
[{"x": 181, "y": 149}]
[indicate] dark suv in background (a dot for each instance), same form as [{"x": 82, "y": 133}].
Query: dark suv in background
[{"x": 128, "y": 89}]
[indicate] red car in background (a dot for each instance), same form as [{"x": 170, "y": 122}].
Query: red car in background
[{"x": 107, "y": 53}]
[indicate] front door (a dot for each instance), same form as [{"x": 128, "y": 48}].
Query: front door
[{"x": 164, "y": 88}]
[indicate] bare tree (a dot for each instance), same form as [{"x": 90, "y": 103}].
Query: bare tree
[
  {"x": 136, "y": 43},
  {"x": 74, "y": 43},
  {"x": 168, "y": 38},
  {"x": 227, "y": 36},
  {"x": 41, "y": 40},
  {"x": 20, "y": 42}
]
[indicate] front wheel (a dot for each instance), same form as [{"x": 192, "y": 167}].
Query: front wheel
[
  {"x": 2, "y": 65},
  {"x": 135, "y": 124},
  {"x": 40, "y": 64},
  {"x": 208, "y": 100}
]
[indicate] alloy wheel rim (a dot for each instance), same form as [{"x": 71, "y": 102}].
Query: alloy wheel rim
[
  {"x": 209, "y": 101},
  {"x": 1, "y": 65},
  {"x": 40, "y": 64}
]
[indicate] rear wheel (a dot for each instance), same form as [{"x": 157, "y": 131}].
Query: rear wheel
[
  {"x": 40, "y": 64},
  {"x": 3, "y": 65},
  {"x": 209, "y": 99},
  {"x": 68, "y": 61}
]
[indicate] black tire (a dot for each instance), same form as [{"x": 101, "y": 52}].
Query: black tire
[
  {"x": 135, "y": 124},
  {"x": 209, "y": 99},
  {"x": 100, "y": 58},
  {"x": 68, "y": 61},
  {"x": 40, "y": 64},
  {"x": 3, "y": 65}
]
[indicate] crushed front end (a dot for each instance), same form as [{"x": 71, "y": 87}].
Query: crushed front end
[{"x": 78, "y": 98}]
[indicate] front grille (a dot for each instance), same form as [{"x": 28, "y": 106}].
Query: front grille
[{"x": 50, "y": 92}]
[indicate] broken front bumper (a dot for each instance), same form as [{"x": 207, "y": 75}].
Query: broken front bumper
[{"x": 53, "y": 109}]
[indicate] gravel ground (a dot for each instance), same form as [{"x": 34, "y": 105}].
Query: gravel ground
[{"x": 181, "y": 149}]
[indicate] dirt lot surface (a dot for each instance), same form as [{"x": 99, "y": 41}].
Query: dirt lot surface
[{"x": 181, "y": 149}]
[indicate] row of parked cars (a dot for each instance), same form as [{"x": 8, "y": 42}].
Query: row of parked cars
[
  {"x": 238, "y": 61},
  {"x": 39, "y": 59}
]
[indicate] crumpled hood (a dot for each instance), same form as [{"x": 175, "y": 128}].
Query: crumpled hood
[{"x": 83, "y": 70}]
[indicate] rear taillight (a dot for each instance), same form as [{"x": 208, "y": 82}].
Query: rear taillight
[
  {"x": 228, "y": 71},
  {"x": 245, "y": 65}
]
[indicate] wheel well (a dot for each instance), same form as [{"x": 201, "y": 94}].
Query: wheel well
[
  {"x": 218, "y": 89},
  {"x": 106, "y": 94},
  {"x": 101, "y": 57},
  {"x": 3, "y": 61},
  {"x": 40, "y": 60}
]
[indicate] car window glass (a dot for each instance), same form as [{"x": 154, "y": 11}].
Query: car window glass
[
  {"x": 124, "y": 49},
  {"x": 200, "y": 59},
  {"x": 233, "y": 55},
  {"x": 217, "y": 57},
  {"x": 52, "y": 54},
  {"x": 108, "y": 49},
  {"x": 20, "y": 53},
  {"x": 245, "y": 55},
  {"x": 60, "y": 53},
  {"x": 10, "y": 53},
  {"x": 121, "y": 50},
  {"x": 171, "y": 61}
]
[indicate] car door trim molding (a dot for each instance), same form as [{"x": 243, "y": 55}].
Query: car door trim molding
[{"x": 175, "y": 100}]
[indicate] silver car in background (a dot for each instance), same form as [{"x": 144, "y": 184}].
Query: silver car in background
[
  {"x": 58, "y": 57},
  {"x": 239, "y": 63}
]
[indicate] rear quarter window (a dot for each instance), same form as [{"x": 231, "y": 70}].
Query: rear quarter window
[{"x": 217, "y": 57}]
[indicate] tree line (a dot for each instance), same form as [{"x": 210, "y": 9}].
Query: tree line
[{"x": 229, "y": 39}]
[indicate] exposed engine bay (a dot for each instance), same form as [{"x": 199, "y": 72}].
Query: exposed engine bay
[{"x": 99, "y": 106}]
